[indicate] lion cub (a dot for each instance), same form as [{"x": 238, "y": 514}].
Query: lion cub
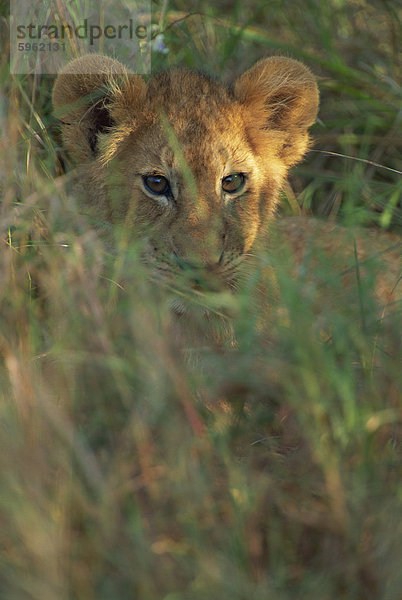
[{"x": 192, "y": 165}]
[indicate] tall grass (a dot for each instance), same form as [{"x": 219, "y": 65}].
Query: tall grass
[{"x": 267, "y": 469}]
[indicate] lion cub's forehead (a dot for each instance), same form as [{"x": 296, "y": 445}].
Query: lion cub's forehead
[
  {"x": 189, "y": 97},
  {"x": 203, "y": 115}
]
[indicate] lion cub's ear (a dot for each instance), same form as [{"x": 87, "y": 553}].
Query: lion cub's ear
[
  {"x": 281, "y": 100},
  {"x": 95, "y": 94}
]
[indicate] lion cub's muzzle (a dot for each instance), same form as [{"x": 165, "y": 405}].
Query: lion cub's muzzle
[{"x": 202, "y": 276}]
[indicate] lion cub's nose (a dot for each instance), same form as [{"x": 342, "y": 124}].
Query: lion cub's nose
[
  {"x": 200, "y": 248},
  {"x": 207, "y": 264},
  {"x": 202, "y": 274}
]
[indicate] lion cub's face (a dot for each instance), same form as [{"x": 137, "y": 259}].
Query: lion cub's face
[{"x": 196, "y": 166}]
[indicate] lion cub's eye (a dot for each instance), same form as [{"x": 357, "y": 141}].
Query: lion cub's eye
[
  {"x": 233, "y": 183},
  {"x": 157, "y": 184}
]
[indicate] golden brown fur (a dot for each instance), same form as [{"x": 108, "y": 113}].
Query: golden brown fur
[{"x": 195, "y": 132}]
